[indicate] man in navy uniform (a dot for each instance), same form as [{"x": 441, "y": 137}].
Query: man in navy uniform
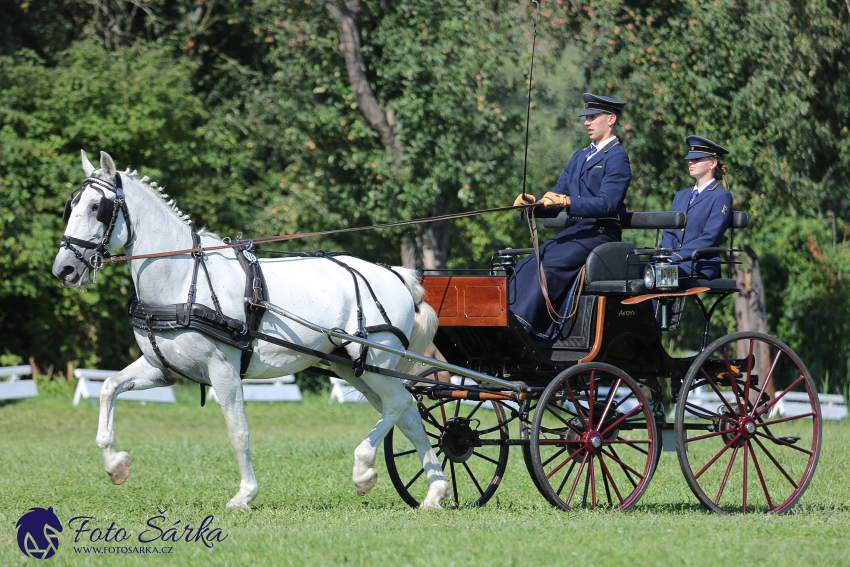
[
  {"x": 709, "y": 209},
  {"x": 591, "y": 188}
]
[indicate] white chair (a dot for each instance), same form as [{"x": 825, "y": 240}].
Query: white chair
[
  {"x": 14, "y": 388},
  {"x": 282, "y": 389},
  {"x": 343, "y": 392},
  {"x": 90, "y": 381}
]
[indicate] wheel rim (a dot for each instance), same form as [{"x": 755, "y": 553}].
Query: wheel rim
[
  {"x": 593, "y": 440},
  {"x": 455, "y": 429},
  {"x": 741, "y": 450}
]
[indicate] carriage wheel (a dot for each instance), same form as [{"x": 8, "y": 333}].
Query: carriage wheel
[
  {"x": 470, "y": 441},
  {"x": 593, "y": 439},
  {"x": 740, "y": 449}
]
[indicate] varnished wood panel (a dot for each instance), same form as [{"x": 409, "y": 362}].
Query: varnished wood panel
[{"x": 468, "y": 301}]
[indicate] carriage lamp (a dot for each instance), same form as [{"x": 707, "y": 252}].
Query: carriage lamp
[{"x": 661, "y": 273}]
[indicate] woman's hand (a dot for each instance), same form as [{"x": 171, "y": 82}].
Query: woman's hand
[
  {"x": 551, "y": 199},
  {"x": 525, "y": 199}
]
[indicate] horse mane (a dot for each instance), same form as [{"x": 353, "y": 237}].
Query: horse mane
[{"x": 152, "y": 186}]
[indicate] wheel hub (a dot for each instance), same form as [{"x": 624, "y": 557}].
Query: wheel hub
[
  {"x": 747, "y": 428},
  {"x": 459, "y": 440},
  {"x": 593, "y": 442}
]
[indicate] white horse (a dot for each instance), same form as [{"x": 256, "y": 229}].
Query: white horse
[{"x": 316, "y": 289}]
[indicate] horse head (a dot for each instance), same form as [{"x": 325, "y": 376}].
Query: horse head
[{"x": 97, "y": 223}]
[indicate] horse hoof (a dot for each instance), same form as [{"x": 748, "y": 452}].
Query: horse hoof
[
  {"x": 238, "y": 505},
  {"x": 365, "y": 486},
  {"x": 437, "y": 492},
  {"x": 119, "y": 473}
]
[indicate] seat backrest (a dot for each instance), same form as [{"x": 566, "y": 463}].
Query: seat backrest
[
  {"x": 611, "y": 262},
  {"x": 652, "y": 220},
  {"x": 740, "y": 219}
]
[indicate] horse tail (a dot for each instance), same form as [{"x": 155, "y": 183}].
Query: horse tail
[{"x": 425, "y": 321}]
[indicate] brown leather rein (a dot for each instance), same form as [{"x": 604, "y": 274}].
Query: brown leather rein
[{"x": 282, "y": 238}]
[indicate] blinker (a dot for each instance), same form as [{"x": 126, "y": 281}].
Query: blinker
[
  {"x": 104, "y": 210},
  {"x": 66, "y": 216}
]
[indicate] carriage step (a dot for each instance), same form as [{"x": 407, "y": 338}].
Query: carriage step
[{"x": 791, "y": 440}]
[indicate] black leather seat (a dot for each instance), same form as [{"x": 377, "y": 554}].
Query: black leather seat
[
  {"x": 610, "y": 265},
  {"x": 719, "y": 285}
]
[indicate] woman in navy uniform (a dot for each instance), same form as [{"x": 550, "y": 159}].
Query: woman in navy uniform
[
  {"x": 591, "y": 188},
  {"x": 708, "y": 205}
]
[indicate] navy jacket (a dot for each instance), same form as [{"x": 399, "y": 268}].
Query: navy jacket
[
  {"x": 596, "y": 186},
  {"x": 708, "y": 218}
]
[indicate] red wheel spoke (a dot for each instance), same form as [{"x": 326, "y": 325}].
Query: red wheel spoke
[
  {"x": 766, "y": 380},
  {"x": 568, "y": 459},
  {"x": 575, "y": 482},
  {"x": 711, "y": 462},
  {"x": 559, "y": 441},
  {"x": 622, "y": 464},
  {"x": 715, "y": 434},
  {"x": 629, "y": 443},
  {"x": 566, "y": 476},
  {"x": 812, "y": 414},
  {"x": 625, "y": 468},
  {"x": 553, "y": 457},
  {"x": 763, "y": 448},
  {"x": 611, "y": 395},
  {"x": 443, "y": 410},
  {"x": 742, "y": 409},
  {"x": 575, "y": 405},
  {"x": 711, "y": 413},
  {"x": 744, "y": 505},
  {"x": 779, "y": 397},
  {"x": 761, "y": 478},
  {"x": 567, "y": 423},
  {"x": 716, "y": 390},
  {"x": 747, "y": 384},
  {"x": 472, "y": 476},
  {"x": 783, "y": 443},
  {"x": 590, "y": 397},
  {"x": 607, "y": 473},
  {"x": 726, "y": 476},
  {"x": 622, "y": 417},
  {"x": 605, "y": 482}
]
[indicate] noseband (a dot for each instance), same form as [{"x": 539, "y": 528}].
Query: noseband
[{"x": 107, "y": 213}]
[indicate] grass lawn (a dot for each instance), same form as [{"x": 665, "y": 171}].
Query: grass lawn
[{"x": 307, "y": 512}]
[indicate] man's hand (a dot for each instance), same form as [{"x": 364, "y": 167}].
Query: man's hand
[
  {"x": 551, "y": 199},
  {"x": 525, "y": 199}
]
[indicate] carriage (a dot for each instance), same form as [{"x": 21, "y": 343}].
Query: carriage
[{"x": 592, "y": 410}]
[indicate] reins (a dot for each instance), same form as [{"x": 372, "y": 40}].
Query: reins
[{"x": 282, "y": 238}]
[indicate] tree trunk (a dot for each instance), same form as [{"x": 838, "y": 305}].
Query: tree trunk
[
  {"x": 751, "y": 313},
  {"x": 429, "y": 246}
]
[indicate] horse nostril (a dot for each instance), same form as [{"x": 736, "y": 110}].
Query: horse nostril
[{"x": 66, "y": 271}]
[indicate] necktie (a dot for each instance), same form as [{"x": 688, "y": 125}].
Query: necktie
[
  {"x": 694, "y": 195},
  {"x": 592, "y": 151}
]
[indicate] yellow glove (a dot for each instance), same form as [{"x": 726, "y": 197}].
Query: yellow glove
[
  {"x": 551, "y": 199},
  {"x": 525, "y": 200}
]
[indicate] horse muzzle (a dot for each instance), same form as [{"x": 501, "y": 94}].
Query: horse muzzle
[{"x": 70, "y": 270}]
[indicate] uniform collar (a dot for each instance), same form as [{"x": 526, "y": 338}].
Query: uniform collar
[
  {"x": 601, "y": 145},
  {"x": 704, "y": 187}
]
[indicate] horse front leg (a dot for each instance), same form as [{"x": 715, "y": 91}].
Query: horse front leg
[
  {"x": 228, "y": 391},
  {"x": 140, "y": 375}
]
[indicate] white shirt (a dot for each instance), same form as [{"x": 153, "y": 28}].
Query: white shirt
[
  {"x": 701, "y": 189},
  {"x": 601, "y": 145}
]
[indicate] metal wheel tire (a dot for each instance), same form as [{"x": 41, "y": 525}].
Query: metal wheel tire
[
  {"x": 474, "y": 472},
  {"x": 593, "y": 420},
  {"x": 771, "y": 446}
]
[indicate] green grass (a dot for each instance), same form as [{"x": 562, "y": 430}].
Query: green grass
[{"x": 307, "y": 512}]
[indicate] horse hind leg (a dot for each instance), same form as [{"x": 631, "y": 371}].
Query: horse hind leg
[
  {"x": 365, "y": 475},
  {"x": 140, "y": 375}
]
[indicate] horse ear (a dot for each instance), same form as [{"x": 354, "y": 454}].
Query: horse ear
[
  {"x": 107, "y": 165},
  {"x": 88, "y": 168}
]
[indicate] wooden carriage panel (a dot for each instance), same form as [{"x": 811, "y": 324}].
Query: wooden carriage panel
[{"x": 468, "y": 301}]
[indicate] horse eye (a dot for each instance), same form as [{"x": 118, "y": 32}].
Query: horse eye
[{"x": 95, "y": 206}]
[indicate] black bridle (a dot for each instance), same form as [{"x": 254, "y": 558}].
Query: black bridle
[{"x": 107, "y": 214}]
